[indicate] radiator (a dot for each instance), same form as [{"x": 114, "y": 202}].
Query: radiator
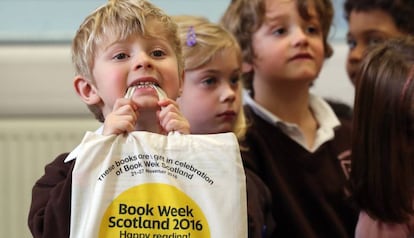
[{"x": 26, "y": 146}]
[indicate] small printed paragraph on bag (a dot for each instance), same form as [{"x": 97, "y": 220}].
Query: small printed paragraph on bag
[{"x": 159, "y": 186}]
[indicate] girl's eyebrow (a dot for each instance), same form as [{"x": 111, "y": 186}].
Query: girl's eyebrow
[
  {"x": 214, "y": 70},
  {"x": 236, "y": 70},
  {"x": 210, "y": 70}
]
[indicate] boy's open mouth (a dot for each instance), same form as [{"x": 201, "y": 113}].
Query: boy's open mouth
[
  {"x": 131, "y": 89},
  {"x": 144, "y": 84}
]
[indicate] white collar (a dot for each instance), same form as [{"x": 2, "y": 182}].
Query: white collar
[{"x": 324, "y": 114}]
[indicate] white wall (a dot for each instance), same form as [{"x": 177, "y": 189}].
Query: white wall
[
  {"x": 333, "y": 81},
  {"x": 37, "y": 80}
]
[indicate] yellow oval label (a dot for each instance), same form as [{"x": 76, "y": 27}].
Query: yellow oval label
[{"x": 153, "y": 210}]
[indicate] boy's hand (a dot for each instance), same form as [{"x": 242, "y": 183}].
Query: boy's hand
[
  {"x": 171, "y": 118},
  {"x": 122, "y": 118}
]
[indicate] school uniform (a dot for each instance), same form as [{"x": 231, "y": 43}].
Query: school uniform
[
  {"x": 308, "y": 186},
  {"x": 49, "y": 214}
]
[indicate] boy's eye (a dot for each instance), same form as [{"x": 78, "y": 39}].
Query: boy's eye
[
  {"x": 312, "y": 30},
  {"x": 157, "y": 53},
  {"x": 351, "y": 43},
  {"x": 374, "y": 40},
  {"x": 278, "y": 31},
  {"x": 120, "y": 56}
]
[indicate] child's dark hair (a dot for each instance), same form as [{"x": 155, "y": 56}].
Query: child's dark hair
[
  {"x": 382, "y": 174},
  {"x": 401, "y": 11},
  {"x": 244, "y": 17}
]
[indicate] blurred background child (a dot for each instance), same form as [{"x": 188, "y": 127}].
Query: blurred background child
[
  {"x": 374, "y": 21},
  {"x": 382, "y": 172},
  {"x": 371, "y": 22}
]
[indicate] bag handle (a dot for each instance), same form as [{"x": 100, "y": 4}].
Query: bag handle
[{"x": 161, "y": 95}]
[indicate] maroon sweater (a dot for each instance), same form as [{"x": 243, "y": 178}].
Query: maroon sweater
[
  {"x": 309, "y": 190},
  {"x": 49, "y": 215}
]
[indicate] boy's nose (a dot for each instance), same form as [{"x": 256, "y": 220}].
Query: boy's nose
[
  {"x": 142, "y": 60},
  {"x": 299, "y": 37},
  {"x": 355, "y": 54}
]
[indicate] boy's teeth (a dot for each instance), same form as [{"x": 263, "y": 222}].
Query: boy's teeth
[
  {"x": 145, "y": 84},
  {"x": 130, "y": 92}
]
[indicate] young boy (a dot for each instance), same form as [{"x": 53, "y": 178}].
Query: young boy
[
  {"x": 212, "y": 101},
  {"x": 372, "y": 22},
  {"x": 123, "y": 44},
  {"x": 294, "y": 142}
]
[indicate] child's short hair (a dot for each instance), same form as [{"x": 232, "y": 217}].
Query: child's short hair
[
  {"x": 119, "y": 19},
  {"x": 244, "y": 17},
  {"x": 209, "y": 39},
  {"x": 400, "y": 11}
]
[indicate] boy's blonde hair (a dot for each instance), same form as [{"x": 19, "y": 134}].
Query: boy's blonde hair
[
  {"x": 210, "y": 39},
  {"x": 120, "y": 19}
]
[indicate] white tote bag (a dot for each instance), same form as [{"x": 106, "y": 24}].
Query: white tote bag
[{"x": 150, "y": 185}]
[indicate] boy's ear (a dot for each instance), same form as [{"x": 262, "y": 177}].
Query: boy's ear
[
  {"x": 246, "y": 67},
  {"x": 86, "y": 90}
]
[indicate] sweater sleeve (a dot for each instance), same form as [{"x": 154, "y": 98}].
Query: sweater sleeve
[
  {"x": 49, "y": 214},
  {"x": 260, "y": 219}
]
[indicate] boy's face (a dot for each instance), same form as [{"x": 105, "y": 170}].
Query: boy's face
[
  {"x": 286, "y": 46},
  {"x": 367, "y": 28},
  {"x": 135, "y": 61},
  {"x": 211, "y": 97}
]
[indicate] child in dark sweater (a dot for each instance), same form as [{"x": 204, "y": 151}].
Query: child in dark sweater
[
  {"x": 294, "y": 142},
  {"x": 123, "y": 44}
]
